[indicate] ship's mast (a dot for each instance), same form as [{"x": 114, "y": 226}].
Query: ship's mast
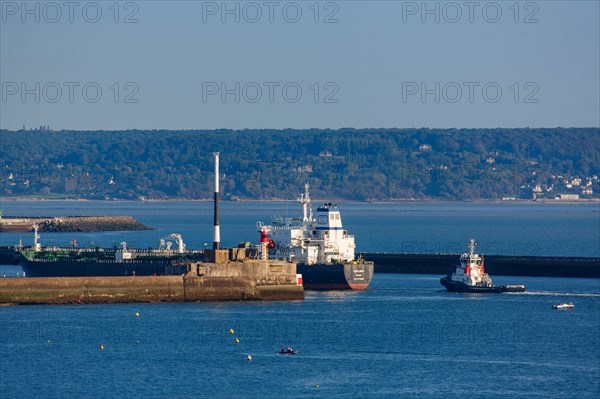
[
  {"x": 36, "y": 236},
  {"x": 472, "y": 246},
  {"x": 306, "y": 207}
]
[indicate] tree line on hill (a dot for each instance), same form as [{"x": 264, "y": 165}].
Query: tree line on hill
[{"x": 351, "y": 164}]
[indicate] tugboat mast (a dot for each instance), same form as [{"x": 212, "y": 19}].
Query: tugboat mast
[{"x": 472, "y": 246}]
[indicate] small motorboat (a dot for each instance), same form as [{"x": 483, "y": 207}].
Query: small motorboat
[
  {"x": 564, "y": 306},
  {"x": 288, "y": 351}
]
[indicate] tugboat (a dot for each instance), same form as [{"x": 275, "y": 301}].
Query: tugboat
[
  {"x": 566, "y": 306},
  {"x": 470, "y": 276},
  {"x": 323, "y": 250}
]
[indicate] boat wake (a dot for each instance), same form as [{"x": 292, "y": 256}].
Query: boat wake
[{"x": 549, "y": 293}]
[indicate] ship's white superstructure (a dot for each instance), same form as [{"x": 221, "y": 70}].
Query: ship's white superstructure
[
  {"x": 312, "y": 239},
  {"x": 471, "y": 270}
]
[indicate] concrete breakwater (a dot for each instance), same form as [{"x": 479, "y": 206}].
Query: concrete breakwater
[
  {"x": 232, "y": 281},
  {"x": 66, "y": 224},
  {"x": 442, "y": 264}
]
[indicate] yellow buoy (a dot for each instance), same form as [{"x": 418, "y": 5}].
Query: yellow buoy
[
  {"x": 137, "y": 314},
  {"x": 249, "y": 358},
  {"x": 231, "y": 331},
  {"x": 101, "y": 347},
  {"x": 237, "y": 341},
  {"x": 49, "y": 341}
]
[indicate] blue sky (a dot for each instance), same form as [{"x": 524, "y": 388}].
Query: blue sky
[{"x": 192, "y": 65}]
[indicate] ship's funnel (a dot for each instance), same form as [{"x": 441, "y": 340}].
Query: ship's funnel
[{"x": 217, "y": 238}]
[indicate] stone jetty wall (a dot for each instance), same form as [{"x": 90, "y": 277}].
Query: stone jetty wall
[{"x": 235, "y": 281}]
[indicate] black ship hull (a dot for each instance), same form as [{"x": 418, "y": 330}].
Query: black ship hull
[
  {"x": 315, "y": 277},
  {"x": 512, "y": 288},
  {"x": 454, "y": 286},
  {"x": 8, "y": 256},
  {"x": 154, "y": 267},
  {"x": 69, "y": 262},
  {"x": 336, "y": 276}
]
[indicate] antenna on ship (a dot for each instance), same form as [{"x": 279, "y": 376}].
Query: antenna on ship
[
  {"x": 472, "y": 246},
  {"x": 306, "y": 207},
  {"x": 217, "y": 238},
  {"x": 36, "y": 236}
]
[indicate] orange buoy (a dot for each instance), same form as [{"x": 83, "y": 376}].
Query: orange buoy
[{"x": 101, "y": 347}]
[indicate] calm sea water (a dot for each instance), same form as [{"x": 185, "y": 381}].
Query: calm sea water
[
  {"x": 403, "y": 337},
  {"x": 500, "y": 229}
]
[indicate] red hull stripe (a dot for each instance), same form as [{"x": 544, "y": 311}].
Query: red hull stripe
[
  {"x": 361, "y": 286},
  {"x": 330, "y": 286}
]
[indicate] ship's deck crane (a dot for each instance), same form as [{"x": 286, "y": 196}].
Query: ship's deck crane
[{"x": 167, "y": 244}]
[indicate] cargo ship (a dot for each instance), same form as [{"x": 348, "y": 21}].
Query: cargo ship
[
  {"x": 321, "y": 247},
  {"x": 470, "y": 276},
  {"x": 72, "y": 261}
]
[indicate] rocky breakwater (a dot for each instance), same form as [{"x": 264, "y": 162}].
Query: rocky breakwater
[{"x": 66, "y": 224}]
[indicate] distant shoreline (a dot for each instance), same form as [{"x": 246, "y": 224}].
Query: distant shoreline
[{"x": 317, "y": 201}]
